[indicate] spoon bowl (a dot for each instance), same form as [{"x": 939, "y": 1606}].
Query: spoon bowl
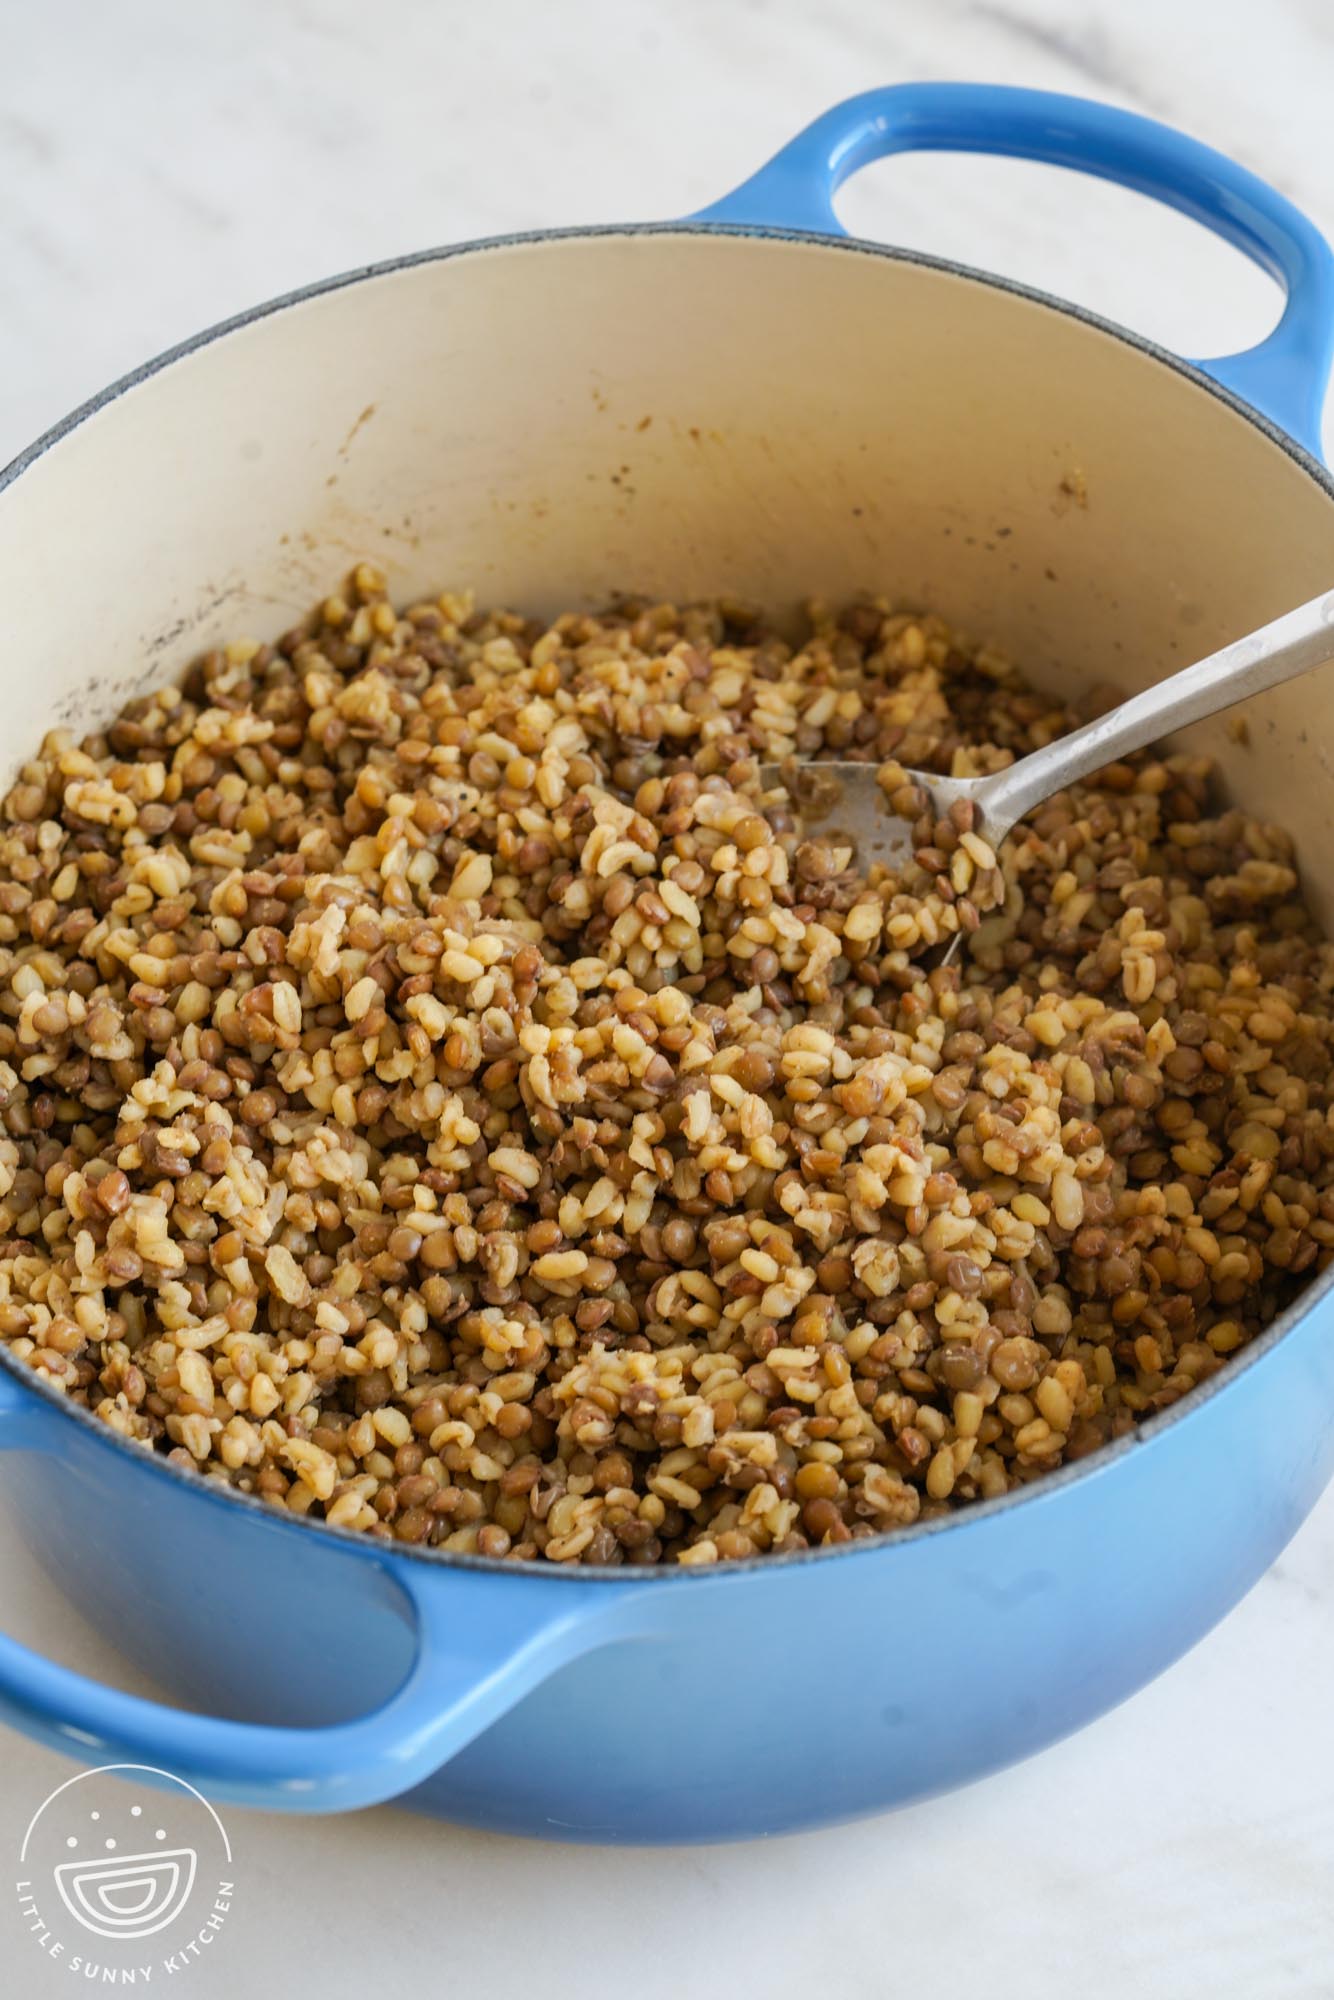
[
  {"x": 849, "y": 800},
  {"x": 846, "y": 803}
]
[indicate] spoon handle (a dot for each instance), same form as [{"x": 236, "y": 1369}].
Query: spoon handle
[{"x": 1291, "y": 645}]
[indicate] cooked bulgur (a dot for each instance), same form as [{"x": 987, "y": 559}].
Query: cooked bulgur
[{"x": 444, "y": 1094}]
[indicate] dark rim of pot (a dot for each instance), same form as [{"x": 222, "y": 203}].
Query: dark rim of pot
[{"x": 1049, "y": 1486}]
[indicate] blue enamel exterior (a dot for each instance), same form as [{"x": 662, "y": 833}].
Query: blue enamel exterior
[
  {"x": 671, "y": 1707},
  {"x": 325, "y": 1672}
]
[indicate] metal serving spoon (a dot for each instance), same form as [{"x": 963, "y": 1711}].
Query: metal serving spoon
[{"x": 848, "y": 797}]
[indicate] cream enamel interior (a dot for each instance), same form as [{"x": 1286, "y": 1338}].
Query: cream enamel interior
[{"x": 677, "y": 412}]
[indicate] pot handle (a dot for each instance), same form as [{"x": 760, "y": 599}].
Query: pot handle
[
  {"x": 484, "y": 1640},
  {"x": 1284, "y": 377}
]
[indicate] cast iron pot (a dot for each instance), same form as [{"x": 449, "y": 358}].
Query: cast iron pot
[{"x": 745, "y": 401}]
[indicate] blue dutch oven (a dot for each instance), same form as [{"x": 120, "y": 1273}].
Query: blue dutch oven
[{"x": 744, "y": 401}]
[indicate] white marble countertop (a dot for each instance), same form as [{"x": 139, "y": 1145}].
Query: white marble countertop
[{"x": 165, "y": 165}]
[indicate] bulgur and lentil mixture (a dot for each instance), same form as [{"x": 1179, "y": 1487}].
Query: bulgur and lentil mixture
[{"x": 443, "y": 1094}]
